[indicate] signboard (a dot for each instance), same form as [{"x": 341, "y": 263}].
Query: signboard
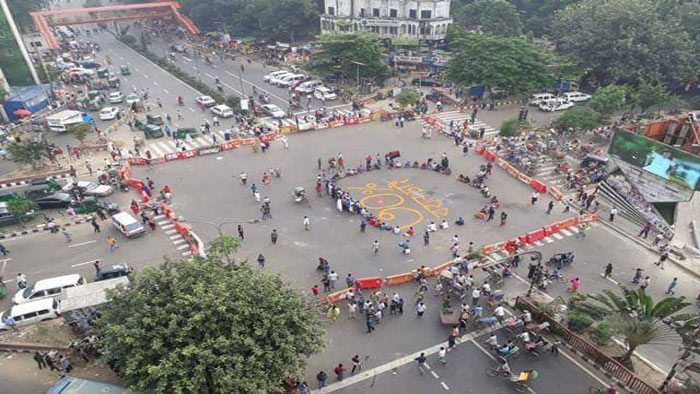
[
  {"x": 209, "y": 150},
  {"x": 664, "y": 161},
  {"x": 379, "y": 22}
]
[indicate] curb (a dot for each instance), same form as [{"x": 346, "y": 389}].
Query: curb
[{"x": 29, "y": 179}]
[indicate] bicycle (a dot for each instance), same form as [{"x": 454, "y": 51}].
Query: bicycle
[{"x": 496, "y": 372}]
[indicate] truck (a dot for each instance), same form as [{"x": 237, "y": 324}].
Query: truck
[{"x": 61, "y": 121}]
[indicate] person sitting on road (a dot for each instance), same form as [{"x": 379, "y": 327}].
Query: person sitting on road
[
  {"x": 432, "y": 227},
  {"x": 460, "y": 221},
  {"x": 444, "y": 225}
]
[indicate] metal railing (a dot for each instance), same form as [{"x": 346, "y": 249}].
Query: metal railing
[{"x": 617, "y": 370}]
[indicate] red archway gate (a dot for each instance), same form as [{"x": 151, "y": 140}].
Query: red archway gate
[{"x": 43, "y": 20}]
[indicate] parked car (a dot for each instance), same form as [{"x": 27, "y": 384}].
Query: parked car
[
  {"x": 274, "y": 74},
  {"x": 323, "y": 93},
  {"x": 222, "y": 111},
  {"x": 576, "y": 97},
  {"x": 90, "y": 188},
  {"x": 308, "y": 86},
  {"x": 291, "y": 80},
  {"x": 538, "y": 98},
  {"x": 58, "y": 200},
  {"x": 113, "y": 271},
  {"x": 278, "y": 79},
  {"x": 47, "y": 288},
  {"x": 178, "y": 48},
  {"x": 273, "y": 110},
  {"x": 109, "y": 113},
  {"x": 133, "y": 99},
  {"x": 30, "y": 313},
  {"x": 555, "y": 105},
  {"x": 427, "y": 81},
  {"x": 116, "y": 97},
  {"x": 206, "y": 101}
]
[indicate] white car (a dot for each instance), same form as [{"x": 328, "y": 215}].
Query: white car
[
  {"x": 278, "y": 79},
  {"x": 206, "y": 101},
  {"x": 576, "y": 96},
  {"x": 555, "y": 105},
  {"x": 222, "y": 111},
  {"x": 116, "y": 97},
  {"x": 79, "y": 71},
  {"x": 133, "y": 99},
  {"x": 291, "y": 80},
  {"x": 109, "y": 113},
  {"x": 537, "y": 99},
  {"x": 274, "y": 74},
  {"x": 273, "y": 110},
  {"x": 324, "y": 94},
  {"x": 308, "y": 86},
  {"x": 90, "y": 188}
]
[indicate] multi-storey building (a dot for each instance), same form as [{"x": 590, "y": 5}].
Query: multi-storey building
[{"x": 395, "y": 19}]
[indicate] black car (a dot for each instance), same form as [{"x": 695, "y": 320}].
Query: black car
[
  {"x": 178, "y": 48},
  {"x": 113, "y": 271},
  {"x": 54, "y": 200},
  {"x": 426, "y": 82}
]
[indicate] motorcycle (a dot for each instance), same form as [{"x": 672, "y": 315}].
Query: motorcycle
[{"x": 561, "y": 259}]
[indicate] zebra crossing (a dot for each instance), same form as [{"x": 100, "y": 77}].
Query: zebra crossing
[
  {"x": 502, "y": 255},
  {"x": 168, "y": 145},
  {"x": 458, "y": 117}
]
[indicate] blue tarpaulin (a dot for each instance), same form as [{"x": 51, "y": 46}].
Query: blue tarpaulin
[{"x": 32, "y": 98}]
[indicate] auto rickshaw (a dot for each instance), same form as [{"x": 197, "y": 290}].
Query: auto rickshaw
[
  {"x": 153, "y": 131},
  {"x": 103, "y": 73},
  {"x": 114, "y": 82},
  {"x": 124, "y": 70},
  {"x": 154, "y": 119},
  {"x": 299, "y": 194},
  {"x": 140, "y": 125},
  {"x": 182, "y": 132}
]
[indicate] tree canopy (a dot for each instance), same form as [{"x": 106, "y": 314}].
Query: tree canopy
[
  {"x": 202, "y": 327},
  {"x": 21, "y": 8},
  {"x": 339, "y": 54},
  {"x": 496, "y": 17},
  {"x": 281, "y": 19},
  {"x": 511, "y": 64},
  {"x": 609, "y": 99},
  {"x": 30, "y": 152},
  {"x": 408, "y": 96},
  {"x": 577, "y": 118},
  {"x": 626, "y": 41},
  {"x": 537, "y": 15}
]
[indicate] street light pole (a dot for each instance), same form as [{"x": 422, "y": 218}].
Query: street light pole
[{"x": 537, "y": 256}]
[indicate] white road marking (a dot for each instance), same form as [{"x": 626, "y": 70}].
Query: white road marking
[
  {"x": 145, "y": 76},
  {"x": 182, "y": 247},
  {"x": 187, "y": 59},
  {"x": 528, "y": 246},
  {"x": 166, "y": 91},
  {"x": 434, "y": 375},
  {"x": 155, "y": 83},
  {"x": 158, "y": 217},
  {"x": 190, "y": 109},
  {"x": 557, "y": 236},
  {"x": 538, "y": 243},
  {"x": 4, "y": 264},
  {"x": 85, "y": 263},
  {"x": 136, "y": 69},
  {"x": 188, "y": 253},
  {"x": 176, "y": 236},
  {"x": 82, "y": 243},
  {"x": 178, "y": 241},
  {"x": 565, "y": 232},
  {"x": 548, "y": 239},
  {"x": 167, "y": 226},
  {"x": 444, "y": 386},
  {"x": 171, "y": 231},
  {"x": 163, "y": 222}
]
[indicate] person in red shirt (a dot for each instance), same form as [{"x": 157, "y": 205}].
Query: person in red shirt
[
  {"x": 410, "y": 232},
  {"x": 340, "y": 371},
  {"x": 315, "y": 290}
]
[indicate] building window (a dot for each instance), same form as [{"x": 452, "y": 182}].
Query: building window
[
  {"x": 393, "y": 13},
  {"x": 363, "y": 12},
  {"x": 425, "y": 14},
  {"x": 394, "y": 30},
  {"x": 331, "y": 11},
  {"x": 412, "y": 14},
  {"x": 375, "y": 12}
]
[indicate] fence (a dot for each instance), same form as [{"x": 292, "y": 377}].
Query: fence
[{"x": 613, "y": 367}]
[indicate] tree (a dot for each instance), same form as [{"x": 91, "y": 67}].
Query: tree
[
  {"x": 199, "y": 327},
  {"x": 21, "y": 8},
  {"x": 636, "y": 316},
  {"x": 653, "y": 94},
  {"x": 609, "y": 99},
  {"x": 408, "y": 96},
  {"x": 30, "y": 152},
  {"x": 339, "y": 54},
  {"x": 20, "y": 207},
  {"x": 577, "y": 118},
  {"x": 496, "y": 17},
  {"x": 537, "y": 15},
  {"x": 224, "y": 247},
  {"x": 80, "y": 131},
  {"x": 640, "y": 45},
  {"x": 511, "y": 64},
  {"x": 510, "y": 127},
  {"x": 234, "y": 101}
]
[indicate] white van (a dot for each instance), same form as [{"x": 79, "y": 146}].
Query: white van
[
  {"x": 127, "y": 225},
  {"x": 538, "y": 98},
  {"x": 30, "y": 313},
  {"x": 576, "y": 96},
  {"x": 47, "y": 288},
  {"x": 308, "y": 86}
]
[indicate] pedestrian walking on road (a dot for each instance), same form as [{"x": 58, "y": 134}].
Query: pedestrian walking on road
[
  {"x": 581, "y": 231},
  {"x": 49, "y": 362},
  {"x": 339, "y": 371},
  {"x": 426, "y": 238},
  {"x": 21, "y": 281},
  {"x": 349, "y": 280},
  {"x": 307, "y": 223},
  {"x": 244, "y": 178},
  {"x": 644, "y": 233},
  {"x": 420, "y": 309},
  {"x": 320, "y": 163},
  {"x": 321, "y": 377},
  {"x": 673, "y": 284},
  {"x": 662, "y": 260},
  {"x": 608, "y": 270},
  {"x": 273, "y": 236},
  {"x": 96, "y": 264},
  {"x": 644, "y": 283},
  {"x": 550, "y": 206},
  {"x": 315, "y": 290},
  {"x": 613, "y": 212},
  {"x": 240, "y": 232},
  {"x": 39, "y": 358},
  {"x": 421, "y": 362},
  {"x": 112, "y": 243},
  {"x": 504, "y": 217},
  {"x": 441, "y": 355},
  {"x": 356, "y": 364},
  {"x": 363, "y": 226},
  {"x": 66, "y": 234},
  {"x": 637, "y": 276},
  {"x": 4, "y": 250},
  {"x": 261, "y": 260},
  {"x": 375, "y": 247},
  {"x": 533, "y": 197}
]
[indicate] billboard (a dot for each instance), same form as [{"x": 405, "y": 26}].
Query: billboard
[{"x": 667, "y": 162}]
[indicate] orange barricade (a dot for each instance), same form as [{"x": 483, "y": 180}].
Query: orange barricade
[
  {"x": 538, "y": 185},
  {"x": 590, "y": 217},
  {"x": 524, "y": 178},
  {"x": 488, "y": 249},
  {"x": 135, "y": 183},
  {"x": 480, "y": 149},
  {"x": 399, "y": 278},
  {"x": 350, "y": 120},
  {"x": 364, "y": 119},
  {"x": 536, "y": 235},
  {"x": 321, "y": 125},
  {"x": 522, "y": 239},
  {"x": 139, "y": 161},
  {"x": 490, "y": 156},
  {"x": 443, "y": 266},
  {"x": 333, "y": 297},
  {"x": 374, "y": 282},
  {"x": 554, "y": 192},
  {"x": 551, "y": 229},
  {"x": 567, "y": 222},
  {"x": 144, "y": 197},
  {"x": 181, "y": 228},
  {"x": 229, "y": 145},
  {"x": 336, "y": 123}
]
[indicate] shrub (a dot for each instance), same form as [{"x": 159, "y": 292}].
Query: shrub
[
  {"x": 603, "y": 332},
  {"x": 510, "y": 127},
  {"x": 578, "y": 321},
  {"x": 128, "y": 39}
]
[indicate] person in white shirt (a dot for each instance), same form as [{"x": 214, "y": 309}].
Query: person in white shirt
[
  {"x": 499, "y": 312},
  {"x": 432, "y": 227},
  {"x": 525, "y": 337},
  {"x": 492, "y": 341},
  {"x": 527, "y": 317},
  {"x": 444, "y": 225},
  {"x": 486, "y": 288},
  {"x": 476, "y": 295}
]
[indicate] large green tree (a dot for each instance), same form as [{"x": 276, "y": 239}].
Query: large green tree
[
  {"x": 339, "y": 54},
  {"x": 21, "y": 8},
  {"x": 537, "y": 15},
  {"x": 30, "y": 152},
  {"x": 497, "y": 17},
  {"x": 201, "y": 327},
  {"x": 577, "y": 118},
  {"x": 626, "y": 42},
  {"x": 511, "y": 64},
  {"x": 609, "y": 99}
]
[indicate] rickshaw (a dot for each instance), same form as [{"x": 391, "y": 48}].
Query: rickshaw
[
  {"x": 154, "y": 119},
  {"x": 182, "y": 132},
  {"x": 520, "y": 379},
  {"x": 153, "y": 131},
  {"x": 300, "y": 194},
  {"x": 124, "y": 70},
  {"x": 114, "y": 82}
]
